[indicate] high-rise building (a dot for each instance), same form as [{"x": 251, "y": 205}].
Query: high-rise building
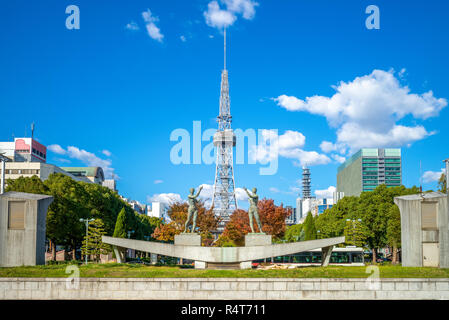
[
  {"x": 292, "y": 218},
  {"x": 367, "y": 169}
]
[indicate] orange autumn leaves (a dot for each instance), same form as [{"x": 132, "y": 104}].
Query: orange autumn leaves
[{"x": 271, "y": 216}]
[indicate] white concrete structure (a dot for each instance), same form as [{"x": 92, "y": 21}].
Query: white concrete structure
[
  {"x": 222, "y": 255},
  {"x": 22, "y": 228},
  {"x": 424, "y": 229}
]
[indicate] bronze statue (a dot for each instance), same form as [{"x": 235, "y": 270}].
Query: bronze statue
[
  {"x": 193, "y": 209},
  {"x": 253, "y": 210}
]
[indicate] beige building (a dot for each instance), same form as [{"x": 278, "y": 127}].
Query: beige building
[{"x": 14, "y": 170}]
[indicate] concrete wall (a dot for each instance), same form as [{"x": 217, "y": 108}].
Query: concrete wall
[
  {"x": 349, "y": 180},
  {"x": 222, "y": 289},
  {"x": 25, "y": 246}
]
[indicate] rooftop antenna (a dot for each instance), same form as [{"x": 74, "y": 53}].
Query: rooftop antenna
[{"x": 32, "y": 130}]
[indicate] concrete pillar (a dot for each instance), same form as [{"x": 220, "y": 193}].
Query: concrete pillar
[
  {"x": 153, "y": 258},
  {"x": 2, "y": 187},
  {"x": 118, "y": 254},
  {"x": 326, "y": 255}
]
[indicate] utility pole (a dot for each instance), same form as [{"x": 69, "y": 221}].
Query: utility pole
[{"x": 86, "y": 221}]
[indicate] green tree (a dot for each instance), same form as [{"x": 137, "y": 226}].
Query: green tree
[
  {"x": 309, "y": 228},
  {"x": 355, "y": 233},
  {"x": 442, "y": 186},
  {"x": 92, "y": 243},
  {"x": 293, "y": 233},
  {"x": 29, "y": 184},
  {"x": 394, "y": 231},
  {"x": 63, "y": 215},
  {"x": 121, "y": 226}
]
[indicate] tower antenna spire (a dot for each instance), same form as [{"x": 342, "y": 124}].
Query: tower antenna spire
[{"x": 224, "y": 48}]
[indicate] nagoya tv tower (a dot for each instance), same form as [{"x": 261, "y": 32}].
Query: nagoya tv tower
[{"x": 223, "y": 200}]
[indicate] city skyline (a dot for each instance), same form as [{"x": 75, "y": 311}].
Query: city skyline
[{"x": 111, "y": 93}]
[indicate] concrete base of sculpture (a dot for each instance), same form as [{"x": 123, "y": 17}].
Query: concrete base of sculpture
[
  {"x": 188, "y": 239},
  {"x": 192, "y": 240},
  {"x": 257, "y": 239}
]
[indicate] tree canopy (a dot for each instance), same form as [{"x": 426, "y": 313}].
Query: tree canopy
[
  {"x": 206, "y": 223},
  {"x": 272, "y": 218},
  {"x": 76, "y": 199}
]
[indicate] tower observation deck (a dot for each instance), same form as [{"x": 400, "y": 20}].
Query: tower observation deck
[{"x": 224, "y": 201}]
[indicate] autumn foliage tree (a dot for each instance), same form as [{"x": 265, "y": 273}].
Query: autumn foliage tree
[
  {"x": 206, "y": 222},
  {"x": 272, "y": 218}
]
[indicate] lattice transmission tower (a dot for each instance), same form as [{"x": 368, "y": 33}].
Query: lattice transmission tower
[{"x": 224, "y": 201}]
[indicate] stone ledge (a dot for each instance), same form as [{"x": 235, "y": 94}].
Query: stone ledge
[{"x": 222, "y": 288}]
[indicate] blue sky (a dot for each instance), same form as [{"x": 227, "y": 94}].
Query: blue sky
[{"x": 111, "y": 92}]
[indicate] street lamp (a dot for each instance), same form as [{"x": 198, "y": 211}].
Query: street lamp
[
  {"x": 353, "y": 228},
  {"x": 86, "y": 221},
  {"x": 129, "y": 237}
]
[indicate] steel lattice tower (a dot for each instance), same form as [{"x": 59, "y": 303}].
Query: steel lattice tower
[{"x": 224, "y": 200}]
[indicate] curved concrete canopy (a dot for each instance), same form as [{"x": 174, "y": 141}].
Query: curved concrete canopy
[{"x": 222, "y": 254}]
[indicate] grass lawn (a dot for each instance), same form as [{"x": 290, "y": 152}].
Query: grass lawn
[{"x": 114, "y": 270}]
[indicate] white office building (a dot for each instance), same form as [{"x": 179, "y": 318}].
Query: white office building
[{"x": 158, "y": 210}]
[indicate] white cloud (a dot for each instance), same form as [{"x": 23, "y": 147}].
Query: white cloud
[
  {"x": 107, "y": 153},
  {"x": 365, "y": 111},
  {"x": 327, "y": 146},
  {"x": 208, "y": 192},
  {"x": 274, "y": 190},
  {"x": 244, "y": 7},
  {"x": 56, "y": 148},
  {"x": 63, "y": 160},
  {"x": 132, "y": 26},
  {"x": 158, "y": 181},
  {"x": 288, "y": 145},
  {"x": 88, "y": 158},
  {"x": 206, "y": 195},
  {"x": 219, "y": 18},
  {"x": 240, "y": 194},
  {"x": 153, "y": 31},
  {"x": 166, "y": 198},
  {"x": 91, "y": 160},
  {"x": 432, "y": 176},
  {"x": 338, "y": 158},
  {"x": 326, "y": 193}
]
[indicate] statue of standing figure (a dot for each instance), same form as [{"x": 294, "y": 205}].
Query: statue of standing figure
[
  {"x": 193, "y": 209},
  {"x": 253, "y": 209}
]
